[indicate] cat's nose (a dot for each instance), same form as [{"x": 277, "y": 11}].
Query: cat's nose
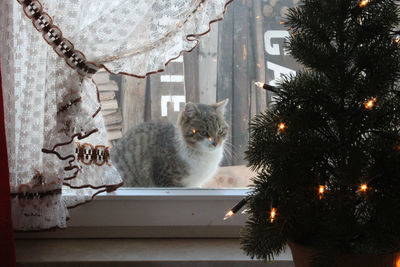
[{"x": 212, "y": 140}]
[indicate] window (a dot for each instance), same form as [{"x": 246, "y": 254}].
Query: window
[{"x": 247, "y": 46}]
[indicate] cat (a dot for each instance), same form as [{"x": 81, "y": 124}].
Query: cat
[{"x": 187, "y": 154}]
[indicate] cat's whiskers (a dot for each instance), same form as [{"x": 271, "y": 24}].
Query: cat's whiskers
[{"x": 229, "y": 151}]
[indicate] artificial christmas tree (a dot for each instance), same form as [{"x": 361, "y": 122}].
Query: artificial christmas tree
[{"x": 328, "y": 151}]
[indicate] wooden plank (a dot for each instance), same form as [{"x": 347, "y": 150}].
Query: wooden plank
[
  {"x": 114, "y": 134},
  {"x": 253, "y": 99},
  {"x": 110, "y": 85},
  {"x": 107, "y": 112},
  {"x": 225, "y": 74},
  {"x": 107, "y": 95},
  {"x": 117, "y": 126},
  {"x": 240, "y": 115},
  {"x": 113, "y": 118},
  {"x": 208, "y": 66},
  {"x": 251, "y": 74},
  {"x": 109, "y": 104},
  {"x": 147, "y": 105},
  {"x": 101, "y": 77},
  {"x": 133, "y": 93},
  {"x": 258, "y": 37},
  {"x": 191, "y": 72}
]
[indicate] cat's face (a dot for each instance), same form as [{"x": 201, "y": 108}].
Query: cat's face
[{"x": 203, "y": 126}]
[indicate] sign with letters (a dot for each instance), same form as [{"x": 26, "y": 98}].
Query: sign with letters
[{"x": 277, "y": 58}]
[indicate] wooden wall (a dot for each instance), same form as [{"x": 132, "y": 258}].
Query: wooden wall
[{"x": 226, "y": 64}]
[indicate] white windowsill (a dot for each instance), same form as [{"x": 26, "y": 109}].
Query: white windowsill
[
  {"x": 189, "y": 193},
  {"x": 139, "y": 252},
  {"x": 154, "y": 213},
  {"x": 181, "y": 227}
]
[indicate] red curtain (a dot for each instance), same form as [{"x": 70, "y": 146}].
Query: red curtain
[{"x": 7, "y": 249}]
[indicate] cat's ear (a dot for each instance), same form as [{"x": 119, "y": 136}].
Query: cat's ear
[
  {"x": 221, "y": 106},
  {"x": 190, "y": 109}
]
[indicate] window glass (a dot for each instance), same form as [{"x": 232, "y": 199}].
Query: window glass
[{"x": 247, "y": 46}]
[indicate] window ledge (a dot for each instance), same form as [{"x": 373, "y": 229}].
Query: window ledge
[
  {"x": 140, "y": 252},
  {"x": 182, "y": 227},
  {"x": 131, "y": 193},
  {"x": 153, "y": 213}
]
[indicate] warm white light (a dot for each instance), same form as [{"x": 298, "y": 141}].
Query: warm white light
[
  {"x": 370, "y": 103},
  {"x": 281, "y": 126},
  {"x": 363, "y": 187},
  {"x": 228, "y": 215},
  {"x": 363, "y": 3},
  {"x": 259, "y": 84},
  {"x": 273, "y": 214},
  {"x": 321, "y": 191},
  {"x": 194, "y": 131},
  {"x": 397, "y": 39}
]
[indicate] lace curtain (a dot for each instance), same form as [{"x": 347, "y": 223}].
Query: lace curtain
[{"x": 56, "y": 138}]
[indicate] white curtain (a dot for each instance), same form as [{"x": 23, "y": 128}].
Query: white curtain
[{"x": 50, "y": 49}]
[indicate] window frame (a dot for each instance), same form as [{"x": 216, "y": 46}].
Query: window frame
[{"x": 175, "y": 213}]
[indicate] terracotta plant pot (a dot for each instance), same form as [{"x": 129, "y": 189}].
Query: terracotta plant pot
[{"x": 303, "y": 255}]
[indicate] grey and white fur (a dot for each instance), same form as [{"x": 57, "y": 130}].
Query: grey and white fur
[{"x": 186, "y": 154}]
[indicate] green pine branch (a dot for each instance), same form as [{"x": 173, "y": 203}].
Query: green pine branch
[{"x": 331, "y": 136}]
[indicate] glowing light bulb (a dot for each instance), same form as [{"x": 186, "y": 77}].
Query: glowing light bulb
[
  {"x": 228, "y": 215},
  {"x": 397, "y": 39},
  {"x": 321, "y": 190},
  {"x": 281, "y": 126},
  {"x": 267, "y": 87},
  {"x": 194, "y": 131},
  {"x": 235, "y": 209},
  {"x": 370, "y": 104},
  {"x": 363, "y": 187},
  {"x": 273, "y": 214},
  {"x": 398, "y": 261},
  {"x": 259, "y": 84},
  {"x": 364, "y": 3}
]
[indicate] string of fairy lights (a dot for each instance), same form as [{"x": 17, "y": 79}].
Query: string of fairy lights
[
  {"x": 369, "y": 104},
  {"x": 281, "y": 127}
]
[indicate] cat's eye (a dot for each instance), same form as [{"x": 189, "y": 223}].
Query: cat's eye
[{"x": 221, "y": 131}]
